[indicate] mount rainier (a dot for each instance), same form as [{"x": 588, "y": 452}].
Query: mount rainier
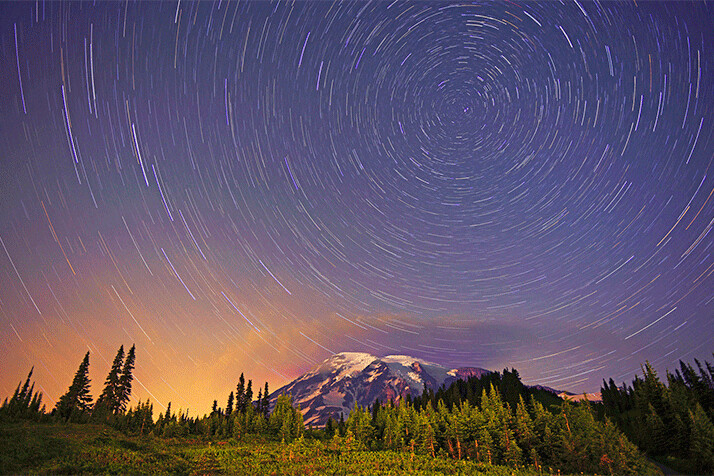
[{"x": 335, "y": 386}]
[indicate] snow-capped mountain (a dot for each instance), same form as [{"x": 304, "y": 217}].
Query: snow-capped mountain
[{"x": 350, "y": 378}]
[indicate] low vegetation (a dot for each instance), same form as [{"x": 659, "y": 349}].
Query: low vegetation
[{"x": 70, "y": 448}]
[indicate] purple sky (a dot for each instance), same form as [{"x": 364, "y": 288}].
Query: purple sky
[{"x": 251, "y": 187}]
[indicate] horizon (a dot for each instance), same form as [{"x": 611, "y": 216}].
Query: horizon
[
  {"x": 141, "y": 393},
  {"x": 250, "y": 188}
]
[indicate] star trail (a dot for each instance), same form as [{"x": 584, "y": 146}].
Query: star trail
[{"x": 249, "y": 187}]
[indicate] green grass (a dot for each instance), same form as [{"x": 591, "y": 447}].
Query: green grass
[
  {"x": 88, "y": 449},
  {"x": 30, "y": 448}
]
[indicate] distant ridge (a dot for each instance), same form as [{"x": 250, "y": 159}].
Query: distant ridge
[{"x": 579, "y": 397}]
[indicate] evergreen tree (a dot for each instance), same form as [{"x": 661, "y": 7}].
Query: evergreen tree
[
  {"x": 76, "y": 404},
  {"x": 330, "y": 428},
  {"x": 426, "y": 435},
  {"x": 240, "y": 394},
  {"x": 656, "y": 436},
  {"x": 660, "y": 417},
  {"x": 266, "y": 400},
  {"x": 26, "y": 391},
  {"x": 286, "y": 422},
  {"x": 248, "y": 395},
  {"x": 702, "y": 441},
  {"x": 391, "y": 432},
  {"x": 108, "y": 402},
  {"x": 510, "y": 450},
  {"x": 359, "y": 424},
  {"x": 229, "y": 405},
  {"x": 524, "y": 430},
  {"x": 341, "y": 428},
  {"x": 511, "y": 387},
  {"x": 124, "y": 386},
  {"x": 25, "y": 402},
  {"x": 138, "y": 420}
]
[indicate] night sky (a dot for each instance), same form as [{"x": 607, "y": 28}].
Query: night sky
[{"x": 253, "y": 187}]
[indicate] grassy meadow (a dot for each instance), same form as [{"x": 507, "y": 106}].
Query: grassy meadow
[{"x": 34, "y": 448}]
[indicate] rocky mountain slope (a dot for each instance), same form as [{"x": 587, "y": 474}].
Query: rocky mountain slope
[{"x": 334, "y": 387}]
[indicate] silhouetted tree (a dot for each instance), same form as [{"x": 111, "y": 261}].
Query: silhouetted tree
[
  {"x": 248, "y": 395},
  {"x": 124, "y": 386},
  {"x": 25, "y": 402},
  {"x": 76, "y": 404},
  {"x": 266, "y": 400},
  {"x": 240, "y": 394},
  {"x": 229, "y": 405},
  {"x": 108, "y": 401}
]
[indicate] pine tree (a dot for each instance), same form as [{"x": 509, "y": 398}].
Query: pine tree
[
  {"x": 706, "y": 389},
  {"x": 26, "y": 390},
  {"x": 512, "y": 453},
  {"x": 248, "y": 395},
  {"x": 240, "y": 394},
  {"x": 76, "y": 404},
  {"x": 280, "y": 423},
  {"x": 341, "y": 428},
  {"x": 24, "y": 404},
  {"x": 107, "y": 403},
  {"x": 229, "y": 405},
  {"x": 524, "y": 429},
  {"x": 330, "y": 427},
  {"x": 266, "y": 400},
  {"x": 702, "y": 441},
  {"x": 426, "y": 435},
  {"x": 124, "y": 387},
  {"x": 391, "y": 432},
  {"x": 359, "y": 424},
  {"x": 286, "y": 422},
  {"x": 656, "y": 434}
]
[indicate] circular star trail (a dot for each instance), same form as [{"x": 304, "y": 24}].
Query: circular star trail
[{"x": 254, "y": 186}]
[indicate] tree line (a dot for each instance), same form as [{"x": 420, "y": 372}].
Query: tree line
[
  {"x": 243, "y": 415},
  {"x": 76, "y": 405},
  {"x": 457, "y": 422},
  {"x": 671, "y": 422}
]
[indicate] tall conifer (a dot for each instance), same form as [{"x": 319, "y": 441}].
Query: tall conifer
[
  {"x": 77, "y": 402},
  {"x": 107, "y": 403},
  {"x": 229, "y": 405},
  {"x": 124, "y": 386},
  {"x": 240, "y": 394},
  {"x": 266, "y": 400},
  {"x": 248, "y": 394},
  {"x": 25, "y": 403}
]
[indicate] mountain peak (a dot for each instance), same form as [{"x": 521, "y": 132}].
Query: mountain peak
[
  {"x": 335, "y": 386},
  {"x": 356, "y": 357},
  {"x": 342, "y": 365},
  {"x": 404, "y": 359}
]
